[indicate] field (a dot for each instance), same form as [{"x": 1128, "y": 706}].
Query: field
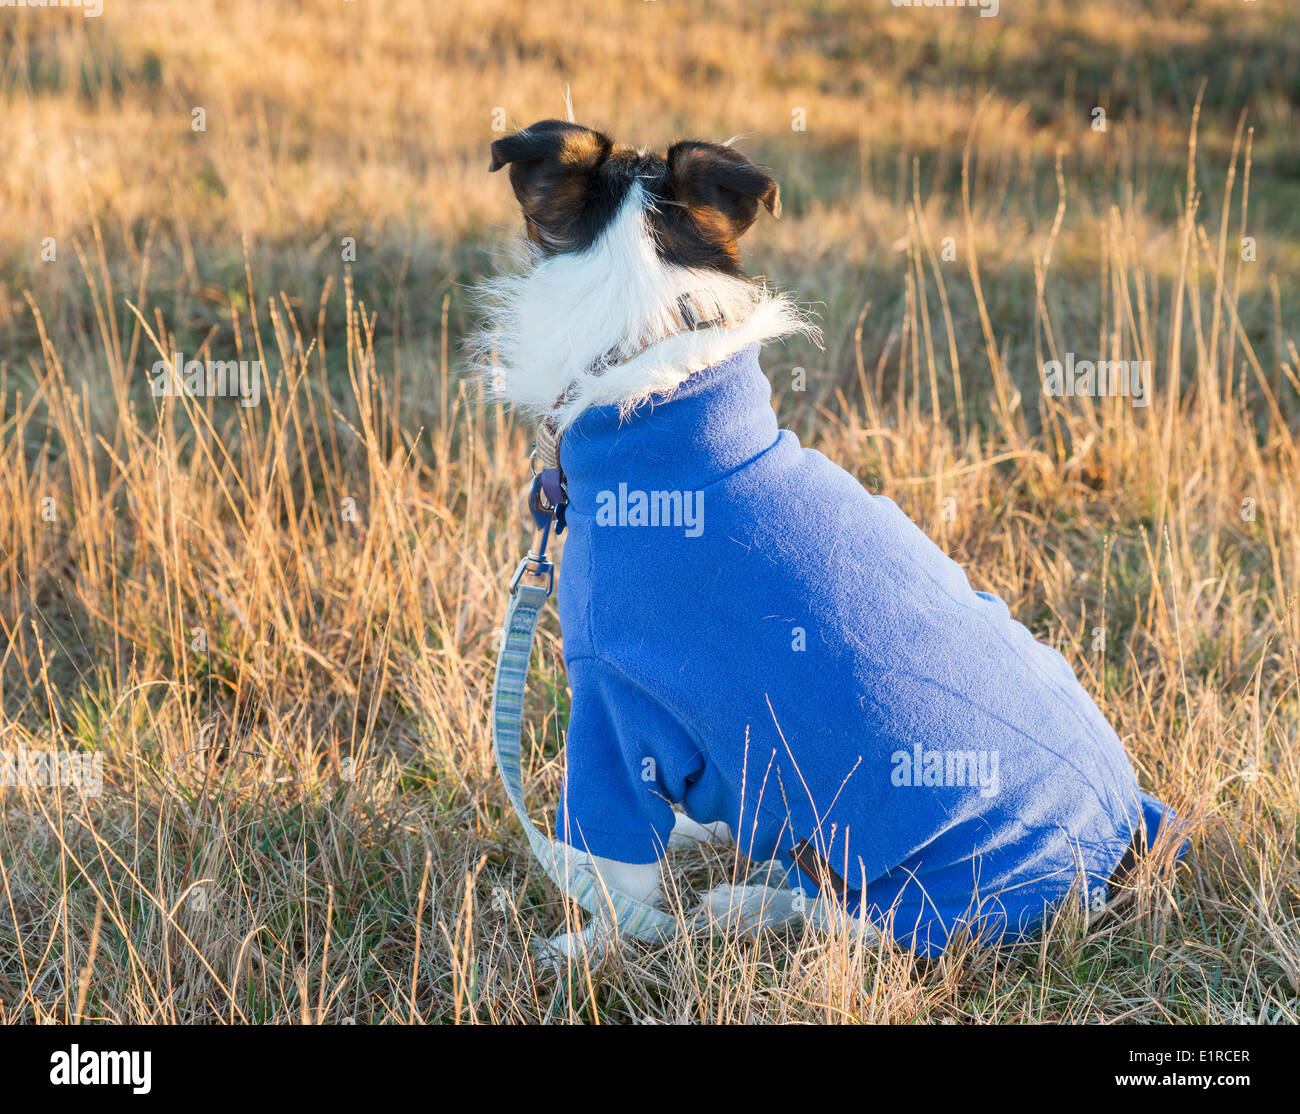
[{"x": 271, "y": 627}]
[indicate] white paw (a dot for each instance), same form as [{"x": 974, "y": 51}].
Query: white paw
[
  {"x": 686, "y": 831},
  {"x": 751, "y": 909}
]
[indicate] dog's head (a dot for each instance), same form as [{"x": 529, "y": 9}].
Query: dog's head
[
  {"x": 631, "y": 281},
  {"x": 698, "y": 198}
]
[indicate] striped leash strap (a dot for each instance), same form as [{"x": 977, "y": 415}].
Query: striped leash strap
[{"x": 530, "y": 588}]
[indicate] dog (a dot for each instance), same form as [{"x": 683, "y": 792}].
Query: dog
[{"x": 758, "y": 648}]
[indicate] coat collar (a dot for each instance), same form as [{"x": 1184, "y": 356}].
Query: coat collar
[{"x": 714, "y": 423}]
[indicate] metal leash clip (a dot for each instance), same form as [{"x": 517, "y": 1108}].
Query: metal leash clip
[{"x": 536, "y": 565}]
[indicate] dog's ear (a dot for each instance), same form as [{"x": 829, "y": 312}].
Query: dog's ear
[
  {"x": 718, "y": 184},
  {"x": 551, "y": 166}
]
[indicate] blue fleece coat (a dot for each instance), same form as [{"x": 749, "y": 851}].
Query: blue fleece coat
[{"x": 751, "y": 634}]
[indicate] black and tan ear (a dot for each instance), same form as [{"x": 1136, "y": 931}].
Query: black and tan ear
[
  {"x": 551, "y": 165},
  {"x": 720, "y": 185}
]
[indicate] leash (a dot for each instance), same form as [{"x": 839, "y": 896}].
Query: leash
[{"x": 530, "y": 588}]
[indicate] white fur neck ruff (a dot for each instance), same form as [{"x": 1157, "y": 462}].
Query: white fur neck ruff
[{"x": 549, "y": 326}]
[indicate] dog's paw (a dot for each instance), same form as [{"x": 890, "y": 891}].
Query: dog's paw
[
  {"x": 750, "y": 909},
  {"x": 686, "y": 832}
]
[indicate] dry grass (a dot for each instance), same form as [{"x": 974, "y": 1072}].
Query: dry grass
[{"x": 301, "y": 820}]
